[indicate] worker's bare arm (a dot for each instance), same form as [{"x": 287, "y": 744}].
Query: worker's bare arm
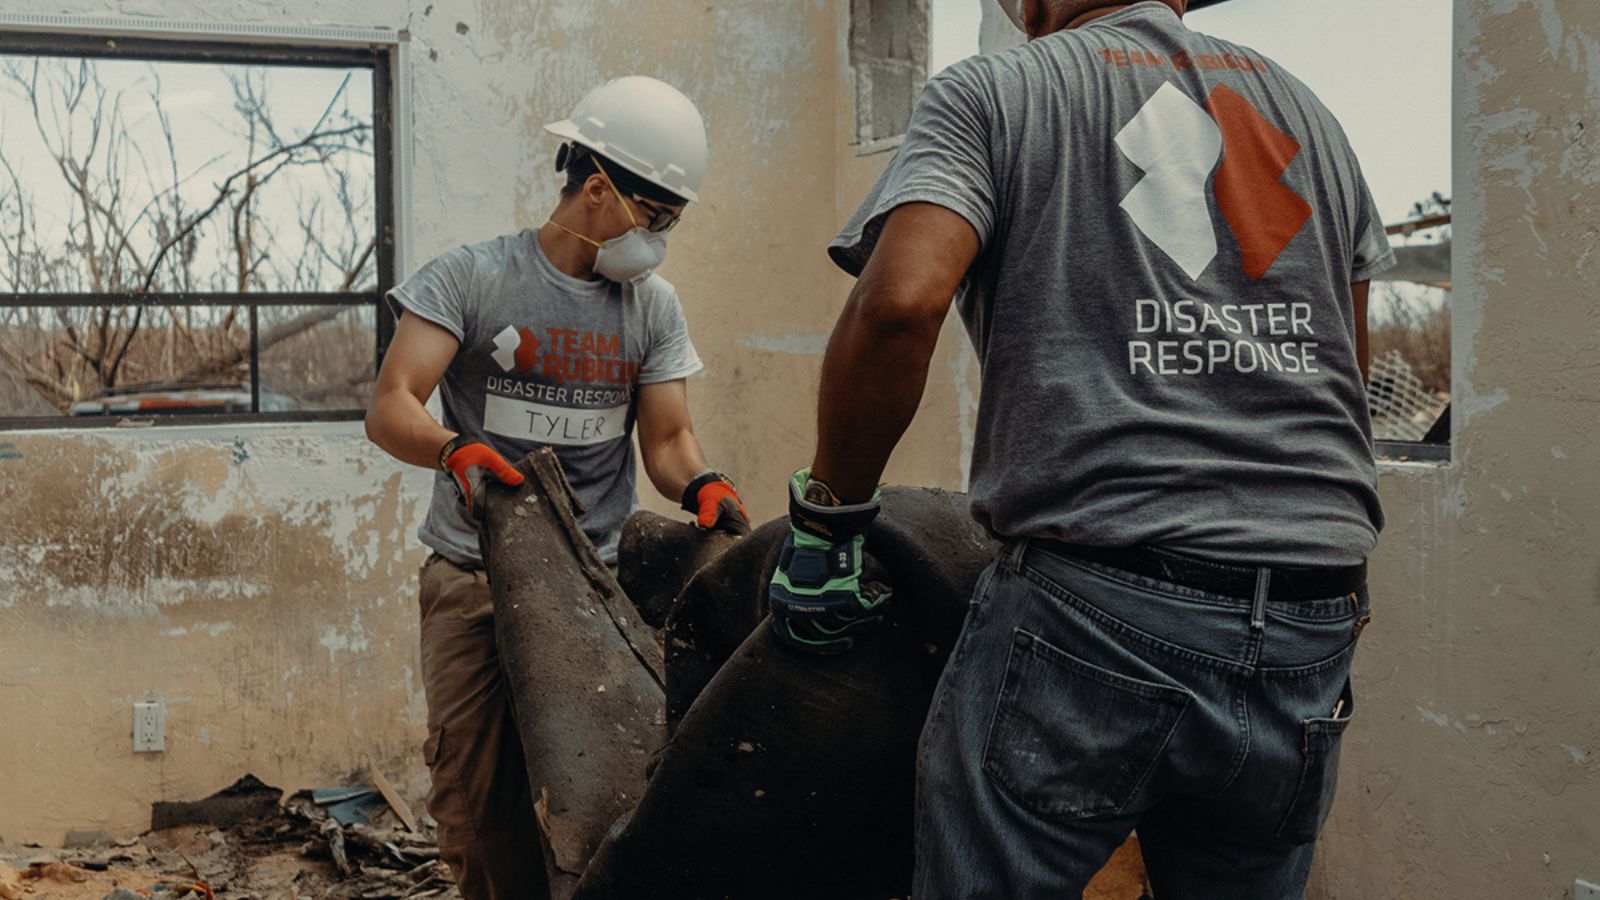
[
  {"x": 877, "y": 361},
  {"x": 672, "y": 454},
  {"x": 1358, "y": 293},
  {"x": 397, "y": 419}
]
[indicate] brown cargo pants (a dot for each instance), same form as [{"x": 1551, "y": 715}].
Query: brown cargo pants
[{"x": 487, "y": 831}]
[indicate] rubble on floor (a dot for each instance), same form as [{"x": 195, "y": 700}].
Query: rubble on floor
[{"x": 294, "y": 852}]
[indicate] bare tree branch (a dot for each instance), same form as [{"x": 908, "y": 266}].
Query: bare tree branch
[
  {"x": 122, "y": 231},
  {"x": 226, "y": 189}
]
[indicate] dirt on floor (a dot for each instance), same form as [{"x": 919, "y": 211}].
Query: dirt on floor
[
  {"x": 251, "y": 862},
  {"x": 300, "y": 853}
]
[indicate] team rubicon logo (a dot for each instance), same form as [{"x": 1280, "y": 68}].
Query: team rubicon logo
[
  {"x": 516, "y": 350},
  {"x": 564, "y": 356},
  {"x": 1177, "y": 144}
]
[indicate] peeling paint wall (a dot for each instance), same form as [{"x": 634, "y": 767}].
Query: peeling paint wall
[
  {"x": 1474, "y": 767},
  {"x": 261, "y": 579},
  {"x": 258, "y": 582}
]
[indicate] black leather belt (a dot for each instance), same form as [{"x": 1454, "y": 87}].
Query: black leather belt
[{"x": 1286, "y": 583}]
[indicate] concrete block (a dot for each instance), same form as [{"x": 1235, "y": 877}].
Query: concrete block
[
  {"x": 85, "y": 840},
  {"x": 894, "y": 94}
]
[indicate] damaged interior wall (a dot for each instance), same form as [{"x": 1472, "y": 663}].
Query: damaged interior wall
[
  {"x": 261, "y": 579},
  {"x": 1472, "y": 768},
  {"x": 257, "y": 582}
]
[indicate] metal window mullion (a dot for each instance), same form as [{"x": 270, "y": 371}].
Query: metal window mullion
[
  {"x": 91, "y": 300},
  {"x": 111, "y": 45},
  {"x": 383, "y": 85},
  {"x": 255, "y": 362},
  {"x": 161, "y": 420}
]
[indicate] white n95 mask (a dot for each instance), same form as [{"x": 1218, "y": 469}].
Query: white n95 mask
[{"x": 632, "y": 256}]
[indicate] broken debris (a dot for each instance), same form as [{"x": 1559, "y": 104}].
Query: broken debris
[
  {"x": 246, "y": 800},
  {"x": 396, "y": 802},
  {"x": 83, "y": 840},
  {"x": 350, "y": 805},
  {"x": 297, "y": 850}
]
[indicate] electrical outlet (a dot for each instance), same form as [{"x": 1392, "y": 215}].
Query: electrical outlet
[
  {"x": 1584, "y": 890},
  {"x": 149, "y": 726}
]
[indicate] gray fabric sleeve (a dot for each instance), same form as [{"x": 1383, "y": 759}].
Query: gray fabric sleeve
[
  {"x": 440, "y": 292},
  {"x": 944, "y": 160},
  {"x": 670, "y": 354},
  {"x": 1373, "y": 255}
]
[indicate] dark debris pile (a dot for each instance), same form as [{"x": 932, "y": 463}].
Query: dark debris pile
[{"x": 293, "y": 851}]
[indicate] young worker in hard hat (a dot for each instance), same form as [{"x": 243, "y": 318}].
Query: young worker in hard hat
[
  {"x": 1161, "y": 244},
  {"x": 561, "y": 336}
]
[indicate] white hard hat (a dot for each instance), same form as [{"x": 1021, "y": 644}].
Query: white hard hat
[{"x": 646, "y": 126}]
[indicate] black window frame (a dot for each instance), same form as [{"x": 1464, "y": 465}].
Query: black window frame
[
  {"x": 382, "y": 59},
  {"x": 1435, "y": 445}
]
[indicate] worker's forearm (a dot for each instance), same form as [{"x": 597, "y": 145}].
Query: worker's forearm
[
  {"x": 399, "y": 423},
  {"x": 1360, "y": 294},
  {"x": 673, "y": 462},
  {"x": 872, "y": 383}
]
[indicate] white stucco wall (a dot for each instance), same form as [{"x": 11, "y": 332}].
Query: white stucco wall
[{"x": 1473, "y": 770}]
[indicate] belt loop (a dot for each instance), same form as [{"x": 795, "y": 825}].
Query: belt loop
[
  {"x": 1258, "y": 610},
  {"x": 1013, "y": 555}
]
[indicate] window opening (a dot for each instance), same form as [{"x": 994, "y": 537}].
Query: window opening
[
  {"x": 191, "y": 229},
  {"x": 889, "y": 42}
]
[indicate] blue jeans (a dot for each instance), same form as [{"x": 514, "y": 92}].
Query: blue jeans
[{"x": 1082, "y": 702}]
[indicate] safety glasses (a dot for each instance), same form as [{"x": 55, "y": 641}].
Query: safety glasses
[{"x": 662, "y": 218}]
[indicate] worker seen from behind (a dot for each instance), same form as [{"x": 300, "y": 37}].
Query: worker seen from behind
[{"x": 1160, "y": 243}]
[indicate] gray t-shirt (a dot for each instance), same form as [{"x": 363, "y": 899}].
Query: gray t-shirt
[
  {"x": 1170, "y": 226},
  {"x": 545, "y": 360}
]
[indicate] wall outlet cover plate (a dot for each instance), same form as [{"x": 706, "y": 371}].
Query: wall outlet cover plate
[{"x": 149, "y": 726}]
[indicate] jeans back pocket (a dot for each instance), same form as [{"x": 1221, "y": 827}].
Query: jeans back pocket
[
  {"x": 1072, "y": 740},
  {"x": 1319, "y": 773}
]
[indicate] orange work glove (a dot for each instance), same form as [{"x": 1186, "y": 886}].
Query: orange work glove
[
  {"x": 715, "y": 504},
  {"x": 457, "y": 458}
]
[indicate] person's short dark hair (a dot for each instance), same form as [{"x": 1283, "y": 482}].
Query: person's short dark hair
[{"x": 578, "y": 162}]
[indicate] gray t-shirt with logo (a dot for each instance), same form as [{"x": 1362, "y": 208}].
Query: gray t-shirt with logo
[
  {"x": 545, "y": 360},
  {"x": 1170, "y": 226}
]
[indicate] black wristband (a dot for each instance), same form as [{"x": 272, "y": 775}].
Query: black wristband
[
  {"x": 835, "y": 524},
  {"x": 447, "y": 451},
  {"x": 691, "y": 494}
]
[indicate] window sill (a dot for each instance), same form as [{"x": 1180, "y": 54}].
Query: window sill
[
  {"x": 332, "y": 421},
  {"x": 879, "y": 145},
  {"x": 1406, "y": 453}
]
